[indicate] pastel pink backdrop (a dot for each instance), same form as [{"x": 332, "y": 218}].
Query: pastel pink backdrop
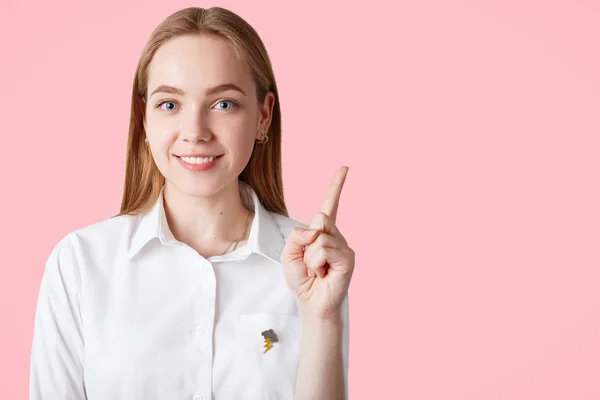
[{"x": 472, "y": 201}]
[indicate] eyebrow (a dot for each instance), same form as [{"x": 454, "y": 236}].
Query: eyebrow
[{"x": 215, "y": 89}]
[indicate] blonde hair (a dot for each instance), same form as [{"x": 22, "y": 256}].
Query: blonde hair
[{"x": 143, "y": 180}]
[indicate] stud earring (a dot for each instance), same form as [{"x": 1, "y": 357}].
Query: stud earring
[
  {"x": 263, "y": 138},
  {"x": 146, "y": 141}
]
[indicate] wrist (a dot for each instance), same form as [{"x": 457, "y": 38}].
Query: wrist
[{"x": 329, "y": 318}]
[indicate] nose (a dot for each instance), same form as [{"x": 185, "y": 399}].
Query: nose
[{"x": 195, "y": 128}]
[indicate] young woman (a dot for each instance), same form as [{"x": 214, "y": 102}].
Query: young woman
[{"x": 201, "y": 287}]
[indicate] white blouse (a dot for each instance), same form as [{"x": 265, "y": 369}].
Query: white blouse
[{"x": 125, "y": 311}]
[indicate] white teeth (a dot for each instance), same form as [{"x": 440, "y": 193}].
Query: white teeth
[{"x": 198, "y": 160}]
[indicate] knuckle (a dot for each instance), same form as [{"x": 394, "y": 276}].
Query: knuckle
[
  {"x": 307, "y": 252},
  {"x": 321, "y": 240},
  {"x": 324, "y": 251},
  {"x": 322, "y": 216},
  {"x": 310, "y": 252},
  {"x": 311, "y": 259}
]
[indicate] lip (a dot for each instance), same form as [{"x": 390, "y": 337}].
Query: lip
[{"x": 199, "y": 155}]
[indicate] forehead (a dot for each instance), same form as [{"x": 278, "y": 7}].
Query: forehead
[{"x": 194, "y": 63}]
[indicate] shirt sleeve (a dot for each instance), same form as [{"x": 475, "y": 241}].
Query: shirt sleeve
[
  {"x": 346, "y": 340},
  {"x": 56, "y": 368}
]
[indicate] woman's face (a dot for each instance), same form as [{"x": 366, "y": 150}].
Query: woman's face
[{"x": 202, "y": 102}]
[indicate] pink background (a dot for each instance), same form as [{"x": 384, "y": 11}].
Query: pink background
[{"x": 471, "y": 130}]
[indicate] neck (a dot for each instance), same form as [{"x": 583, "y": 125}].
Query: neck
[{"x": 208, "y": 224}]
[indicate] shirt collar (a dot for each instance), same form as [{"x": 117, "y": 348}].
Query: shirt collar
[{"x": 265, "y": 237}]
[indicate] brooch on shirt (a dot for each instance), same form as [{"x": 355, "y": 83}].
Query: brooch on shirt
[{"x": 270, "y": 338}]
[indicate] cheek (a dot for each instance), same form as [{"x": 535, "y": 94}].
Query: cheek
[
  {"x": 162, "y": 143},
  {"x": 161, "y": 132},
  {"x": 241, "y": 142},
  {"x": 239, "y": 145},
  {"x": 235, "y": 132}
]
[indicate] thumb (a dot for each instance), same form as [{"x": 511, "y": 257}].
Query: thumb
[
  {"x": 294, "y": 247},
  {"x": 292, "y": 256}
]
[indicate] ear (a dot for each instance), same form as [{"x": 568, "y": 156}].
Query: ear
[{"x": 266, "y": 114}]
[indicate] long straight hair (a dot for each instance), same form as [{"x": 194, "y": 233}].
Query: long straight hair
[{"x": 143, "y": 180}]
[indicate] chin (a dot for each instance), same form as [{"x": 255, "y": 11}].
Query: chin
[{"x": 199, "y": 187}]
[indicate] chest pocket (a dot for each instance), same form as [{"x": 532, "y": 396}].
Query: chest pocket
[{"x": 271, "y": 375}]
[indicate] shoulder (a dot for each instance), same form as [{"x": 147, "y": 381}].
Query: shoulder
[
  {"x": 88, "y": 249},
  {"x": 97, "y": 237},
  {"x": 108, "y": 229},
  {"x": 286, "y": 224}
]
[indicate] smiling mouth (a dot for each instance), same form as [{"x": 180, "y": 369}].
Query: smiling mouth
[{"x": 199, "y": 160}]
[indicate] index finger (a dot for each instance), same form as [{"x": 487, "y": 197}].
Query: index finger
[{"x": 332, "y": 198}]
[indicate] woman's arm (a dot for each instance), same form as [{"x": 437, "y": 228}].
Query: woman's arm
[
  {"x": 56, "y": 370},
  {"x": 318, "y": 265},
  {"x": 323, "y": 368}
]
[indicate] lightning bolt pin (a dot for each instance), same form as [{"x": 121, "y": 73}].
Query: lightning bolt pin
[{"x": 270, "y": 338}]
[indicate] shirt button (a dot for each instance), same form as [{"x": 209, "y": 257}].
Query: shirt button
[
  {"x": 199, "y": 332},
  {"x": 197, "y": 397}
]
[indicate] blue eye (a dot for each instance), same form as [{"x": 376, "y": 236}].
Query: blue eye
[
  {"x": 159, "y": 105},
  {"x": 228, "y": 101},
  {"x": 173, "y": 105}
]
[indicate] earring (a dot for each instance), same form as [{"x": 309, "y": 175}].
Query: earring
[
  {"x": 146, "y": 140},
  {"x": 263, "y": 138}
]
